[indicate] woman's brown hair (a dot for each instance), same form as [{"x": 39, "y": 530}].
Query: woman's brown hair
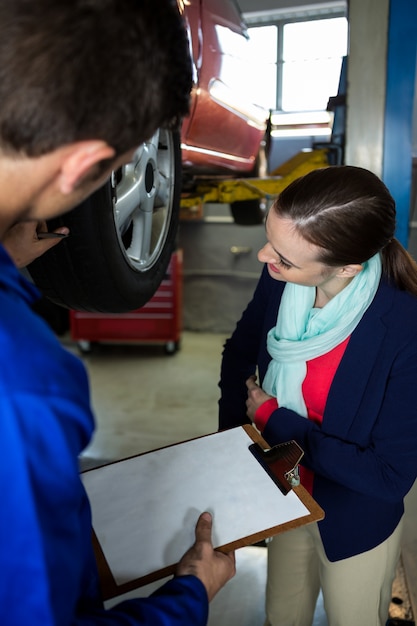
[{"x": 350, "y": 214}]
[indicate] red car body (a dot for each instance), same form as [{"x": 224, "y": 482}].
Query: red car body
[{"x": 225, "y": 128}]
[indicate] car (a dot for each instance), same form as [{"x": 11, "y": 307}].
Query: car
[{"x": 122, "y": 236}]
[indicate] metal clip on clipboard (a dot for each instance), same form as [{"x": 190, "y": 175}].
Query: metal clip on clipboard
[{"x": 281, "y": 463}]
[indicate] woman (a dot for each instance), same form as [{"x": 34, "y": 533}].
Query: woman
[{"x": 332, "y": 332}]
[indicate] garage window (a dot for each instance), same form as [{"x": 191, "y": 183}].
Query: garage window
[{"x": 298, "y": 61}]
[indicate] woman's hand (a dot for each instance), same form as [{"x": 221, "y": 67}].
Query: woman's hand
[{"x": 256, "y": 397}]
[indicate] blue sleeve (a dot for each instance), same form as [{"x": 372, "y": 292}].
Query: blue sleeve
[
  {"x": 47, "y": 569},
  {"x": 245, "y": 350},
  {"x": 180, "y": 602},
  {"x": 48, "y": 575}
]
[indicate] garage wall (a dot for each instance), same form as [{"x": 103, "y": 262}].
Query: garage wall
[
  {"x": 366, "y": 80},
  {"x": 221, "y": 269}
]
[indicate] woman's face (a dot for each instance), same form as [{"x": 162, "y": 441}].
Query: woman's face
[{"x": 290, "y": 257}]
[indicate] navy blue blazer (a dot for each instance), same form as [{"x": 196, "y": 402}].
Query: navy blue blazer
[{"x": 364, "y": 455}]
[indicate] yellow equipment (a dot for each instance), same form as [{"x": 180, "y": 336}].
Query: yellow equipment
[{"x": 227, "y": 191}]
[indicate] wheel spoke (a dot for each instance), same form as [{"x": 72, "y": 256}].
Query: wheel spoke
[
  {"x": 163, "y": 188},
  {"x": 140, "y": 246},
  {"x": 131, "y": 191}
]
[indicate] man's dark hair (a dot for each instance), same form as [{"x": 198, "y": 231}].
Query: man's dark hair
[{"x": 72, "y": 70}]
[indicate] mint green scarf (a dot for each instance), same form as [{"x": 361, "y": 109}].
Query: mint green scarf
[{"x": 303, "y": 332}]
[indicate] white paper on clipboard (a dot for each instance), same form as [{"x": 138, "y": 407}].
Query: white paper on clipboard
[{"x": 145, "y": 508}]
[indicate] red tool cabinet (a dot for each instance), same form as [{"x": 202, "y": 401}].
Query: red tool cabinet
[{"x": 158, "y": 321}]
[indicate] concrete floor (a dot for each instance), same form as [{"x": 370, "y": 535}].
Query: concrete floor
[{"x": 144, "y": 399}]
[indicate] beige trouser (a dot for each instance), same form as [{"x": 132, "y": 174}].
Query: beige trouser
[{"x": 356, "y": 591}]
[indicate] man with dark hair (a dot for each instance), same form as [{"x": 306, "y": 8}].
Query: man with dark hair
[
  {"x": 82, "y": 83},
  {"x": 72, "y": 73}
]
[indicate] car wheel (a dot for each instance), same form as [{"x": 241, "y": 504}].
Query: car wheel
[
  {"x": 121, "y": 238},
  {"x": 252, "y": 212},
  {"x": 248, "y": 212}
]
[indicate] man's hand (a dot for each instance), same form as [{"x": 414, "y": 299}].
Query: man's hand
[
  {"x": 213, "y": 568},
  {"x": 22, "y": 241},
  {"x": 256, "y": 397}
]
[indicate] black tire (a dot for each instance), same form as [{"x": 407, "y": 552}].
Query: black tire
[
  {"x": 248, "y": 212},
  {"x": 252, "y": 212},
  {"x": 121, "y": 238}
]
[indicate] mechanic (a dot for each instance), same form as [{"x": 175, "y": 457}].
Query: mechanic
[{"x": 82, "y": 83}]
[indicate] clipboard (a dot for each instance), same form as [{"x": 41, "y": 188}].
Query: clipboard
[{"x": 145, "y": 508}]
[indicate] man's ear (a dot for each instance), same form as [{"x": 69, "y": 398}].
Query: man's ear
[
  {"x": 349, "y": 271},
  {"x": 79, "y": 160}
]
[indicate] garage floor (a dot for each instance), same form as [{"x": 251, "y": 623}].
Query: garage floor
[{"x": 145, "y": 399}]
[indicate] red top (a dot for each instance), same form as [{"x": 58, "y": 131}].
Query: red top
[{"x": 315, "y": 388}]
